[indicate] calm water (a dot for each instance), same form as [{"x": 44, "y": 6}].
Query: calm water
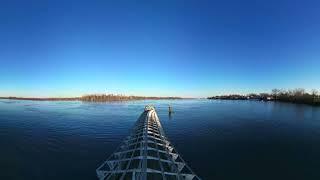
[{"x": 218, "y": 139}]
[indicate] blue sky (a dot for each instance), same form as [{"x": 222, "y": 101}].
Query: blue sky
[{"x": 165, "y": 48}]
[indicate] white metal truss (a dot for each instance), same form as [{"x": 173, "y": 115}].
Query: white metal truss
[{"x": 146, "y": 154}]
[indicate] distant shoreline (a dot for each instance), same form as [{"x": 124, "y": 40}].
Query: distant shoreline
[
  {"x": 95, "y": 98},
  {"x": 296, "y": 96},
  {"x": 42, "y": 99}
]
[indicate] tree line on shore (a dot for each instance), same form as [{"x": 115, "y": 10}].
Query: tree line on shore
[
  {"x": 94, "y": 98},
  {"x": 112, "y": 97},
  {"x": 298, "y": 95}
]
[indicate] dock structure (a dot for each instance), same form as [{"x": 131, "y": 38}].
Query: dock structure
[{"x": 146, "y": 154}]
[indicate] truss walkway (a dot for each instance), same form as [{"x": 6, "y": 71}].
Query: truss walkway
[{"x": 146, "y": 154}]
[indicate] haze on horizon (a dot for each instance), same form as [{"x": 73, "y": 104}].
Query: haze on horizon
[{"x": 157, "y": 48}]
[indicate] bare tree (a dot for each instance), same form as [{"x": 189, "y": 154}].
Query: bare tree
[
  {"x": 299, "y": 92},
  {"x": 275, "y": 93},
  {"x": 314, "y": 92}
]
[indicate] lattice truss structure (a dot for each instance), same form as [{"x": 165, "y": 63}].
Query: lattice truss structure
[{"x": 146, "y": 154}]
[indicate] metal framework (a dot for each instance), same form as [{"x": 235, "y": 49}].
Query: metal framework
[{"x": 146, "y": 154}]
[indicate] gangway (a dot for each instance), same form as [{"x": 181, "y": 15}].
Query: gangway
[{"x": 146, "y": 154}]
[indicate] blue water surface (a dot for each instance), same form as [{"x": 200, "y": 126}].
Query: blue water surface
[{"x": 218, "y": 139}]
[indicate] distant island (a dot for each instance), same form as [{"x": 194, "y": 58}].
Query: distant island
[
  {"x": 299, "y": 96},
  {"x": 96, "y": 98}
]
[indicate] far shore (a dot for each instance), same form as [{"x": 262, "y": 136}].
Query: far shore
[
  {"x": 297, "y": 96},
  {"x": 42, "y": 99},
  {"x": 95, "y": 98}
]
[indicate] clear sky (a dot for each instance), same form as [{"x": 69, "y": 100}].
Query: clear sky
[{"x": 163, "y": 48}]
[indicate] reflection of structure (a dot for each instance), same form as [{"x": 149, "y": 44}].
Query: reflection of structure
[
  {"x": 170, "y": 109},
  {"x": 146, "y": 154},
  {"x": 170, "y": 116}
]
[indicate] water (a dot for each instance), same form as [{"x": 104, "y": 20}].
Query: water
[{"x": 218, "y": 139}]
